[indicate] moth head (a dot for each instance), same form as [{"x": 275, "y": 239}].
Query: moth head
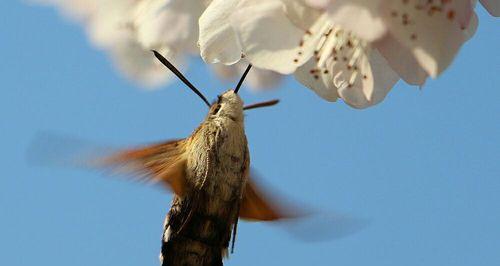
[{"x": 228, "y": 104}]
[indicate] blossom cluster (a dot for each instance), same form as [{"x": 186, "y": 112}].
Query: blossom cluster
[
  {"x": 127, "y": 30},
  {"x": 355, "y": 50}
]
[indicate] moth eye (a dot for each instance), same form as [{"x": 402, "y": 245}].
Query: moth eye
[{"x": 216, "y": 109}]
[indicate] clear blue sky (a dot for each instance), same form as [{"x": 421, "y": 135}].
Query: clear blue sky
[{"x": 423, "y": 166}]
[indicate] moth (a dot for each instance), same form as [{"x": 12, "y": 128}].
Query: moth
[{"x": 209, "y": 174}]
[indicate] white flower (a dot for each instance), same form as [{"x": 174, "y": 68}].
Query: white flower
[
  {"x": 109, "y": 26},
  {"x": 172, "y": 23},
  {"x": 288, "y": 37},
  {"x": 128, "y": 29},
  {"x": 138, "y": 65},
  {"x": 427, "y": 35}
]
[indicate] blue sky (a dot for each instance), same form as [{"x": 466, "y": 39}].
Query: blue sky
[{"x": 423, "y": 166}]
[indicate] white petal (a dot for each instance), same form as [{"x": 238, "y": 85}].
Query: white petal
[
  {"x": 401, "y": 60},
  {"x": 384, "y": 78},
  {"x": 261, "y": 79},
  {"x": 493, "y": 6},
  {"x": 218, "y": 41},
  {"x": 319, "y": 3},
  {"x": 270, "y": 40},
  {"x": 257, "y": 79},
  {"x": 472, "y": 28},
  {"x": 173, "y": 23},
  {"x": 375, "y": 81},
  {"x": 106, "y": 21},
  {"x": 301, "y": 14},
  {"x": 141, "y": 66},
  {"x": 434, "y": 33},
  {"x": 110, "y": 26},
  {"x": 362, "y": 17},
  {"x": 319, "y": 80}
]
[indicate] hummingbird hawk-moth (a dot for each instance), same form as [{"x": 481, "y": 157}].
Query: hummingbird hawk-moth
[{"x": 209, "y": 175}]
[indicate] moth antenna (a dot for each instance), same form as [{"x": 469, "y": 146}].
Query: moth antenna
[
  {"x": 261, "y": 104},
  {"x": 174, "y": 70},
  {"x": 242, "y": 79}
]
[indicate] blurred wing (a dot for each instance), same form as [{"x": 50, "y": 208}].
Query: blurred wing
[
  {"x": 254, "y": 206},
  {"x": 260, "y": 206},
  {"x": 299, "y": 220},
  {"x": 163, "y": 162}
]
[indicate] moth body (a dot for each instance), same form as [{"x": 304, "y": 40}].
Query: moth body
[{"x": 216, "y": 170}]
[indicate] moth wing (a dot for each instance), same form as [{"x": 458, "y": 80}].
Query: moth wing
[
  {"x": 258, "y": 205},
  {"x": 163, "y": 162},
  {"x": 255, "y": 206},
  {"x": 305, "y": 224}
]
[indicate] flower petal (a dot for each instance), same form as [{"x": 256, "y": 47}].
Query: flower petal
[
  {"x": 218, "y": 41},
  {"x": 109, "y": 24},
  {"x": 322, "y": 4},
  {"x": 432, "y": 31},
  {"x": 270, "y": 40},
  {"x": 401, "y": 60},
  {"x": 301, "y": 14},
  {"x": 319, "y": 80},
  {"x": 472, "y": 28},
  {"x": 140, "y": 66},
  {"x": 371, "y": 88},
  {"x": 362, "y": 17},
  {"x": 493, "y": 6},
  {"x": 173, "y": 23}
]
